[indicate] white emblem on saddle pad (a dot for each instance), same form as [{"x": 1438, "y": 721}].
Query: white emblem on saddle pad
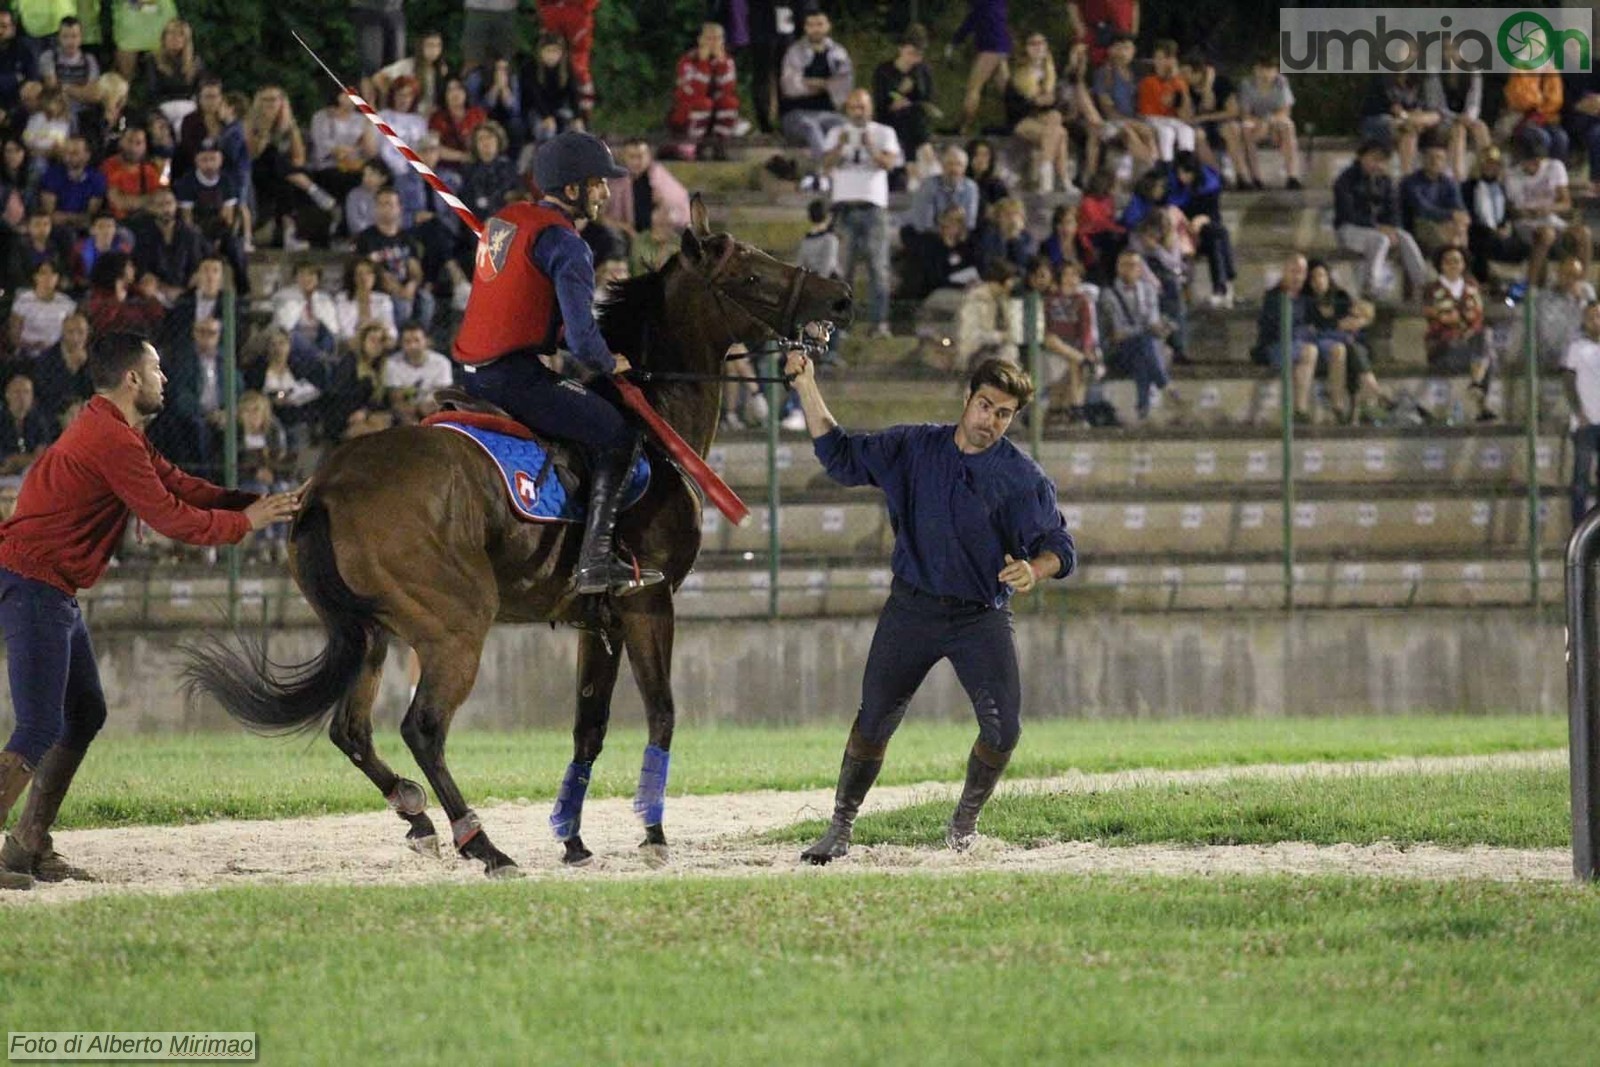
[{"x": 527, "y": 489}]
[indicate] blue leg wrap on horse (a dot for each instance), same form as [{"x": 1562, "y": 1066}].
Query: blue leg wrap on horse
[
  {"x": 651, "y": 800},
  {"x": 567, "y": 815}
]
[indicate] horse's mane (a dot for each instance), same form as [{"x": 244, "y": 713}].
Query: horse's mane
[{"x": 631, "y": 314}]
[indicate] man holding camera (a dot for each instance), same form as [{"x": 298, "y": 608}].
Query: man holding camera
[{"x": 858, "y": 157}]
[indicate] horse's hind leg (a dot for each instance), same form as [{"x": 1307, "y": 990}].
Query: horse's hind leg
[
  {"x": 351, "y": 731},
  {"x": 449, "y": 667},
  {"x": 647, "y": 627},
  {"x": 597, "y": 678}
]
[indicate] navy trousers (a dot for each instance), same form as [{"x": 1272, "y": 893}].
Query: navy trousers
[
  {"x": 916, "y": 631},
  {"x": 55, "y": 682},
  {"x": 543, "y": 400}
]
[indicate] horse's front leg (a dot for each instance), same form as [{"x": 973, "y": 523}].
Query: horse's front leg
[
  {"x": 647, "y": 627},
  {"x": 598, "y": 660}
]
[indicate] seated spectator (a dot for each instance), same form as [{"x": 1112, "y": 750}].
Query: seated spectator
[
  {"x": 1339, "y": 325},
  {"x": 19, "y": 67},
  {"x": 1458, "y": 97},
  {"x": 951, "y": 262},
  {"x": 208, "y": 199},
  {"x": 984, "y": 169},
  {"x": 238, "y": 154},
  {"x": 1164, "y": 103},
  {"x": 1393, "y": 113},
  {"x": 453, "y": 122},
  {"x": 203, "y": 124},
  {"x": 952, "y": 188},
  {"x": 1068, "y": 337},
  {"x": 648, "y": 183},
  {"x": 71, "y": 190},
  {"x": 413, "y": 374},
  {"x": 25, "y": 431},
  {"x": 361, "y": 203},
  {"x": 307, "y": 316},
  {"x": 203, "y": 300},
  {"x": 1456, "y": 339},
  {"x": 283, "y": 189},
  {"x": 1116, "y": 94},
  {"x": 426, "y": 67},
  {"x": 1430, "y": 202},
  {"x": 167, "y": 247},
  {"x": 1004, "y": 235},
  {"x": 1366, "y": 218},
  {"x": 991, "y": 40},
  {"x": 395, "y": 252},
  {"x": 362, "y": 301},
  {"x": 490, "y": 179},
  {"x": 356, "y": 402},
  {"x": 61, "y": 374},
  {"x": 1269, "y": 349},
  {"x": 266, "y": 465},
  {"x": 1100, "y": 235},
  {"x": 1196, "y": 190},
  {"x": 104, "y": 237},
  {"x": 1155, "y": 239},
  {"x": 1581, "y": 378},
  {"x": 1080, "y": 116},
  {"x": 289, "y": 386},
  {"x": 38, "y": 313},
  {"x": 131, "y": 179},
  {"x": 40, "y": 241},
  {"x": 816, "y": 77},
  {"x": 652, "y": 248},
  {"x": 1582, "y": 121},
  {"x": 104, "y": 124},
  {"x": 136, "y": 31},
  {"x": 48, "y": 129},
  {"x": 194, "y": 414},
  {"x": 549, "y": 91},
  {"x": 1490, "y": 234},
  {"x": 119, "y": 301},
  {"x": 705, "y": 98},
  {"x": 1539, "y": 204},
  {"x": 67, "y": 67},
  {"x": 858, "y": 156},
  {"x": 1131, "y": 331},
  {"x": 1266, "y": 105},
  {"x": 498, "y": 90},
  {"x": 17, "y": 176},
  {"x": 1558, "y": 315},
  {"x": 1533, "y": 113},
  {"x": 1217, "y": 117},
  {"x": 1062, "y": 244},
  {"x": 408, "y": 123},
  {"x": 172, "y": 73},
  {"x": 343, "y": 142},
  {"x": 1031, "y": 114},
  {"x": 902, "y": 92}
]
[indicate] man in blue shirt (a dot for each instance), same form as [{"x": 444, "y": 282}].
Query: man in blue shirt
[{"x": 975, "y": 521}]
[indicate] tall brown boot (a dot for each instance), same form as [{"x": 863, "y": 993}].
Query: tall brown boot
[
  {"x": 862, "y": 762},
  {"x": 15, "y": 774},
  {"x": 984, "y": 767},
  {"x": 31, "y": 838}
]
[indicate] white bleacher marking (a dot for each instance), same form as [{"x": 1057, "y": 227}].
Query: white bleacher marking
[
  {"x": 1082, "y": 464},
  {"x": 1233, "y": 579},
  {"x": 1171, "y": 575},
  {"x": 1305, "y": 516},
  {"x": 1210, "y": 398},
  {"x": 1313, "y": 460},
  {"x": 180, "y": 594},
  {"x": 1194, "y": 516},
  {"x": 1491, "y": 457},
  {"x": 1424, "y": 513},
  {"x": 1376, "y": 458},
  {"x": 879, "y": 578},
  {"x": 832, "y": 520},
  {"x": 758, "y": 582},
  {"x": 1433, "y": 458},
  {"x": 1366, "y": 515},
  {"x": 1115, "y": 576},
  {"x": 1133, "y": 517},
  {"x": 693, "y": 585},
  {"x": 1072, "y": 515},
  {"x": 1411, "y": 572},
  {"x": 1205, "y": 462},
  {"x": 1251, "y": 516},
  {"x": 1256, "y": 462},
  {"x": 1472, "y": 573},
  {"x": 1143, "y": 461},
  {"x": 1543, "y": 455},
  {"x": 1353, "y": 574},
  {"x": 710, "y": 521},
  {"x": 717, "y": 459},
  {"x": 1482, "y": 511},
  {"x": 816, "y": 583},
  {"x": 784, "y": 457}
]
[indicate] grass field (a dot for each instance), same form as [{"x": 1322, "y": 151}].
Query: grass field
[
  {"x": 135, "y": 780},
  {"x": 1506, "y": 808},
  {"x": 915, "y": 970}
]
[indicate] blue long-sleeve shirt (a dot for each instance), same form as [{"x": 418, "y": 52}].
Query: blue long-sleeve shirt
[
  {"x": 955, "y": 516},
  {"x": 568, "y": 262},
  {"x": 1435, "y": 199}
]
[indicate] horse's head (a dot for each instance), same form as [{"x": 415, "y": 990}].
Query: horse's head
[{"x": 758, "y": 297}]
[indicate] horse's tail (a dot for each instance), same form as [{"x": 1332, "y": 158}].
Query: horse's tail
[{"x": 277, "y": 698}]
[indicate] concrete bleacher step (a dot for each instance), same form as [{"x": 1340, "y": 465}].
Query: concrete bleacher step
[{"x": 1086, "y": 466}]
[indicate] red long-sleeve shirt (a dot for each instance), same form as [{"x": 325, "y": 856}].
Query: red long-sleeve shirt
[{"x": 77, "y": 497}]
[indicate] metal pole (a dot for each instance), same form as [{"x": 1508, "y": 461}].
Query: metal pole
[
  {"x": 1531, "y": 354},
  {"x": 230, "y": 434},
  {"x": 1030, "y": 341},
  {"x": 1286, "y": 405},
  {"x": 1583, "y": 710},
  {"x": 774, "y": 410}
]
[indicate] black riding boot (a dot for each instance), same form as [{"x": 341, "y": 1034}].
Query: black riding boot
[
  {"x": 599, "y": 568},
  {"x": 862, "y": 762},
  {"x": 984, "y": 767},
  {"x": 14, "y": 777},
  {"x": 31, "y": 837}
]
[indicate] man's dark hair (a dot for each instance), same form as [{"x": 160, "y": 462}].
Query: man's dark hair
[
  {"x": 70, "y": 20},
  {"x": 112, "y": 356},
  {"x": 1438, "y": 256},
  {"x": 1005, "y": 376},
  {"x": 208, "y": 80},
  {"x": 414, "y": 324},
  {"x": 1165, "y": 47},
  {"x": 1374, "y": 144}
]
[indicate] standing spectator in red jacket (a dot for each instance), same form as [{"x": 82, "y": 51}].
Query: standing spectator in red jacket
[
  {"x": 70, "y": 517},
  {"x": 573, "y": 20},
  {"x": 705, "y": 101}
]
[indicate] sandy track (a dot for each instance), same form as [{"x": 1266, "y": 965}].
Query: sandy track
[{"x": 712, "y": 835}]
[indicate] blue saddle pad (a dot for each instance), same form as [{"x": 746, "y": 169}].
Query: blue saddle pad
[{"x": 536, "y": 494}]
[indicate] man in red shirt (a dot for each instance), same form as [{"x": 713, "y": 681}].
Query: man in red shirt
[
  {"x": 131, "y": 179},
  {"x": 70, "y": 517}
]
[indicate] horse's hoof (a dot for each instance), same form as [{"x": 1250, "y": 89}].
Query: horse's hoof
[
  {"x": 576, "y": 855},
  {"x": 425, "y": 846},
  {"x": 655, "y": 853},
  {"x": 504, "y": 872}
]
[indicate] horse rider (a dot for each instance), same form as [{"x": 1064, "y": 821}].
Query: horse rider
[{"x": 532, "y": 287}]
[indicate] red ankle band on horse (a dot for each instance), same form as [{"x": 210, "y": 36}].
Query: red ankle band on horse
[{"x": 465, "y": 828}]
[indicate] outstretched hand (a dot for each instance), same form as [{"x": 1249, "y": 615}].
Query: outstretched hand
[
  {"x": 1018, "y": 574},
  {"x": 799, "y": 368},
  {"x": 279, "y": 507}
]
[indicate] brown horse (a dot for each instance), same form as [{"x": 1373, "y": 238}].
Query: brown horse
[{"x": 409, "y": 533}]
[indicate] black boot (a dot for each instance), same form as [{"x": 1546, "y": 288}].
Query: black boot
[
  {"x": 599, "y": 568},
  {"x": 14, "y": 777},
  {"x": 32, "y": 834},
  {"x": 862, "y": 762},
  {"x": 984, "y": 767}
]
